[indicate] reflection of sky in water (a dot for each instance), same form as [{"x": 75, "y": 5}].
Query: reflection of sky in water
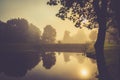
[{"x": 62, "y": 70}]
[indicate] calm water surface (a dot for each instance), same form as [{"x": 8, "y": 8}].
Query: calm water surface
[{"x": 46, "y": 66}]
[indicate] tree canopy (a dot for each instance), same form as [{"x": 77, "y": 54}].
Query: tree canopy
[
  {"x": 99, "y": 13},
  {"x": 76, "y": 11},
  {"x": 49, "y": 34},
  {"x": 79, "y": 10},
  {"x": 19, "y": 31}
]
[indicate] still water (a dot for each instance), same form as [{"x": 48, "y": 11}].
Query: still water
[{"x": 46, "y": 66}]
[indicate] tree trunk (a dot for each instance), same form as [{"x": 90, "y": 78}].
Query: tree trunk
[
  {"x": 101, "y": 12},
  {"x": 99, "y": 48}
]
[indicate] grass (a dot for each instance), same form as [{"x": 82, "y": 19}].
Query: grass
[
  {"x": 112, "y": 57},
  {"x": 112, "y": 53}
]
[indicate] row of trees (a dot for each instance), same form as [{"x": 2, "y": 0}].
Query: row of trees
[
  {"x": 112, "y": 36},
  {"x": 17, "y": 31},
  {"x": 79, "y": 37},
  {"x": 20, "y": 31}
]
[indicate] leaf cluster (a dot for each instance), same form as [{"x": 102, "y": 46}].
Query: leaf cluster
[{"x": 76, "y": 11}]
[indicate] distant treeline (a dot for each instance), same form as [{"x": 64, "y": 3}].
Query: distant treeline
[{"x": 21, "y": 31}]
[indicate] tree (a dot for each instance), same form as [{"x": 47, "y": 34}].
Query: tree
[
  {"x": 49, "y": 59},
  {"x": 67, "y": 37},
  {"x": 19, "y": 31},
  {"x": 20, "y": 28},
  {"x": 5, "y": 32},
  {"x": 98, "y": 13},
  {"x": 49, "y": 34},
  {"x": 34, "y": 34}
]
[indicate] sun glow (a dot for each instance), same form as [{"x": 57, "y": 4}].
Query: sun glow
[
  {"x": 84, "y": 73},
  {"x": 85, "y": 23}
]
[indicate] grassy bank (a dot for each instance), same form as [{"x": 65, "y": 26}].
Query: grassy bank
[{"x": 112, "y": 57}]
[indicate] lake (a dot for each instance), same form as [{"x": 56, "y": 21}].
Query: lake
[{"x": 28, "y": 65}]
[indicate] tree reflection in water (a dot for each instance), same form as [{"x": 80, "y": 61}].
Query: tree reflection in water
[
  {"x": 17, "y": 63},
  {"x": 49, "y": 59},
  {"x": 80, "y": 58}
]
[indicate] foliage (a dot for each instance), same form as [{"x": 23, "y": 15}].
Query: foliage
[
  {"x": 18, "y": 31},
  {"x": 100, "y": 14},
  {"x": 79, "y": 10},
  {"x": 34, "y": 33},
  {"x": 49, "y": 59},
  {"x": 49, "y": 34},
  {"x": 76, "y": 11}
]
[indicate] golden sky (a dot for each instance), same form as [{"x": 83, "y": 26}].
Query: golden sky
[{"x": 36, "y": 12}]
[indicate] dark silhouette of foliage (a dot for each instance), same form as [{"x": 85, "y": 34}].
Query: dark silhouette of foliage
[
  {"x": 16, "y": 63},
  {"x": 76, "y": 11},
  {"x": 5, "y": 30},
  {"x": 100, "y": 14},
  {"x": 48, "y": 59},
  {"x": 20, "y": 27},
  {"x": 21, "y": 24},
  {"x": 19, "y": 31},
  {"x": 34, "y": 34},
  {"x": 49, "y": 34}
]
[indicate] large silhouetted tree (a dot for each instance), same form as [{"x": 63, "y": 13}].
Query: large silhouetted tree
[
  {"x": 20, "y": 27},
  {"x": 99, "y": 13},
  {"x": 19, "y": 31}
]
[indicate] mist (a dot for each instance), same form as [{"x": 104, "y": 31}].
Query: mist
[{"x": 79, "y": 37}]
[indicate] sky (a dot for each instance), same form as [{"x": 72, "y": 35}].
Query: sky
[{"x": 38, "y": 13}]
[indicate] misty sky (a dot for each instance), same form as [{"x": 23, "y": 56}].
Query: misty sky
[{"x": 36, "y": 12}]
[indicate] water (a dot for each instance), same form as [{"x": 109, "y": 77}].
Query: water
[{"x": 27, "y": 65}]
